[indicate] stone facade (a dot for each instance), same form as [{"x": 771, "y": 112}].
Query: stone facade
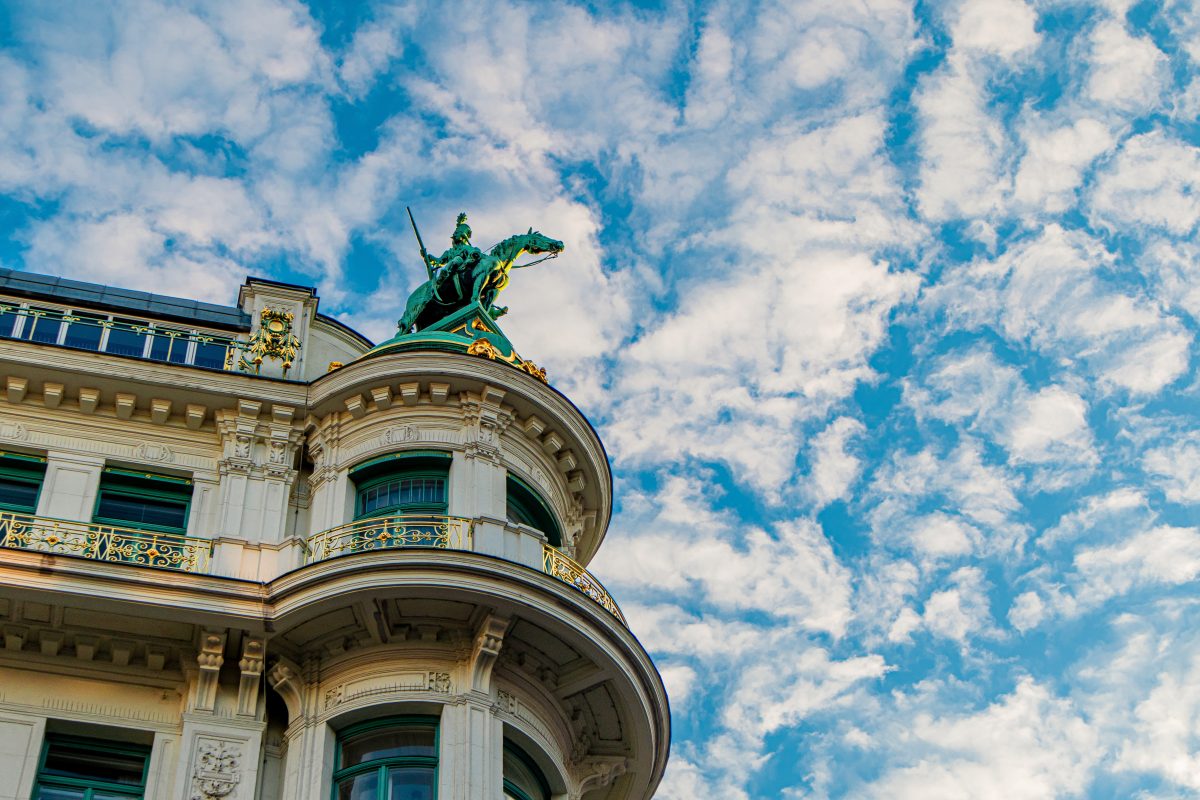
[{"x": 237, "y": 651}]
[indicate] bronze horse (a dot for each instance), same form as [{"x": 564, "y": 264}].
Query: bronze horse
[{"x": 457, "y": 288}]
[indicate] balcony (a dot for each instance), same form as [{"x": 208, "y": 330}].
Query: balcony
[
  {"x": 446, "y": 533},
  {"x": 105, "y": 543},
  {"x": 191, "y": 554}
]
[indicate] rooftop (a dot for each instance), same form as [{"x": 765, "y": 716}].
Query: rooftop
[{"x": 50, "y": 287}]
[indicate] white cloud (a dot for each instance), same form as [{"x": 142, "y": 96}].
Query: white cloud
[
  {"x": 1003, "y": 27},
  {"x": 1025, "y": 745},
  {"x": 1027, "y": 611},
  {"x": 1050, "y": 424},
  {"x": 1161, "y": 555},
  {"x": 790, "y": 572},
  {"x": 834, "y": 470},
  {"x": 976, "y": 501},
  {"x": 1127, "y": 73},
  {"x": 1049, "y": 290},
  {"x": 962, "y": 145},
  {"x": 1176, "y": 468},
  {"x": 1153, "y": 181},
  {"x": 1051, "y": 170}
]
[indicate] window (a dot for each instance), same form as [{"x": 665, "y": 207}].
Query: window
[
  {"x": 143, "y": 500},
  {"x": 170, "y": 345},
  {"x": 392, "y": 759},
  {"x": 522, "y": 779},
  {"x": 8, "y": 320},
  {"x": 87, "y": 769},
  {"x": 20, "y": 482},
  {"x": 525, "y": 507},
  {"x": 410, "y": 484},
  {"x": 210, "y": 354},
  {"x": 83, "y": 331},
  {"x": 126, "y": 337},
  {"x": 42, "y": 325}
]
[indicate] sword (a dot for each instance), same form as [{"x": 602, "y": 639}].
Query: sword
[{"x": 424, "y": 255}]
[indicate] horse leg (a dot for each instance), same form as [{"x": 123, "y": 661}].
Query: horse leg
[{"x": 415, "y": 305}]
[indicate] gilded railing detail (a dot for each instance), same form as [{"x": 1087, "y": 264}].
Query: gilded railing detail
[
  {"x": 105, "y": 542},
  {"x": 556, "y": 564},
  {"x": 383, "y": 533}
]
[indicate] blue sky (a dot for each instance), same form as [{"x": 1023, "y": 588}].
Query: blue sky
[{"x": 887, "y": 312}]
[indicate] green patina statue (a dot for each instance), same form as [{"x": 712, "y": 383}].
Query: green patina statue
[{"x": 464, "y": 275}]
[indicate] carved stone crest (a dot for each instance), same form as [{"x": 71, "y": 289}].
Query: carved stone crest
[
  {"x": 400, "y": 433},
  {"x": 149, "y": 451},
  {"x": 13, "y": 430},
  {"x": 439, "y": 682},
  {"x": 218, "y": 769}
]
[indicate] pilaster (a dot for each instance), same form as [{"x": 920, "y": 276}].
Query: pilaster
[{"x": 69, "y": 490}]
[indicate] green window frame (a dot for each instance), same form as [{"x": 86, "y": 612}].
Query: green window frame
[
  {"x": 20, "y": 473},
  {"x": 76, "y": 768},
  {"x": 526, "y": 507},
  {"x": 367, "y": 775},
  {"x": 143, "y": 500},
  {"x": 414, "y": 483},
  {"x": 523, "y": 779}
]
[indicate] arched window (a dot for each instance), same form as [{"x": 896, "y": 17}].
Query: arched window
[
  {"x": 392, "y": 759},
  {"x": 526, "y": 507},
  {"x": 522, "y": 778},
  {"x": 411, "y": 483}
]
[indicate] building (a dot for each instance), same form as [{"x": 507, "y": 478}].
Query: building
[{"x": 246, "y": 555}]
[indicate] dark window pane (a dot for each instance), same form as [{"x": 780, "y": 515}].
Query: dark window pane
[
  {"x": 142, "y": 510},
  {"x": 18, "y": 495},
  {"x": 59, "y": 793},
  {"x": 410, "y": 740},
  {"x": 84, "y": 763},
  {"x": 360, "y": 787},
  {"x": 8, "y": 320},
  {"x": 410, "y": 783},
  {"x": 42, "y": 326},
  {"x": 84, "y": 333},
  {"x": 209, "y": 354},
  {"x": 169, "y": 346},
  {"x": 125, "y": 342},
  {"x": 521, "y": 778}
]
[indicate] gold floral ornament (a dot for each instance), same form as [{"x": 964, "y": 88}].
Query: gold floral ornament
[
  {"x": 274, "y": 340},
  {"x": 482, "y": 347}
]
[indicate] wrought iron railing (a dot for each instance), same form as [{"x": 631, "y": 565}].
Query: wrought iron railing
[
  {"x": 105, "y": 542},
  {"x": 86, "y": 331},
  {"x": 385, "y": 533},
  {"x": 558, "y": 565}
]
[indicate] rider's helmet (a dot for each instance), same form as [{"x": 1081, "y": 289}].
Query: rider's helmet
[{"x": 462, "y": 231}]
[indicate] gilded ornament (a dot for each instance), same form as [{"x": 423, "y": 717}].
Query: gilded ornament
[{"x": 273, "y": 339}]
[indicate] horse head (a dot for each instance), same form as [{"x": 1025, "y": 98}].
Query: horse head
[{"x": 537, "y": 242}]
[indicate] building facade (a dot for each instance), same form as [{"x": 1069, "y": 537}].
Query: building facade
[{"x": 246, "y": 555}]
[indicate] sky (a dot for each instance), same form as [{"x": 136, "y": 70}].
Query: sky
[{"x": 886, "y": 312}]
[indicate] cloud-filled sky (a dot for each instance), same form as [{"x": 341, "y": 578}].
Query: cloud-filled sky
[{"x": 887, "y": 312}]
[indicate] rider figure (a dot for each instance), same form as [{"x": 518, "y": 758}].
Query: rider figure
[{"x": 458, "y": 261}]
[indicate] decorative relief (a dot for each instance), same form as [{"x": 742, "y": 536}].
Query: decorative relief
[
  {"x": 218, "y": 769},
  {"x": 150, "y": 451},
  {"x": 399, "y": 682},
  {"x": 14, "y": 431},
  {"x": 439, "y": 682},
  {"x": 398, "y": 434},
  {"x": 506, "y": 702}
]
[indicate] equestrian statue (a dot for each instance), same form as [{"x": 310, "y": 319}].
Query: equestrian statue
[{"x": 464, "y": 275}]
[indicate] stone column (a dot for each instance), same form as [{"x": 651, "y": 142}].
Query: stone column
[
  {"x": 70, "y": 488},
  {"x": 223, "y": 726},
  {"x": 21, "y": 738},
  {"x": 470, "y": 762}
]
